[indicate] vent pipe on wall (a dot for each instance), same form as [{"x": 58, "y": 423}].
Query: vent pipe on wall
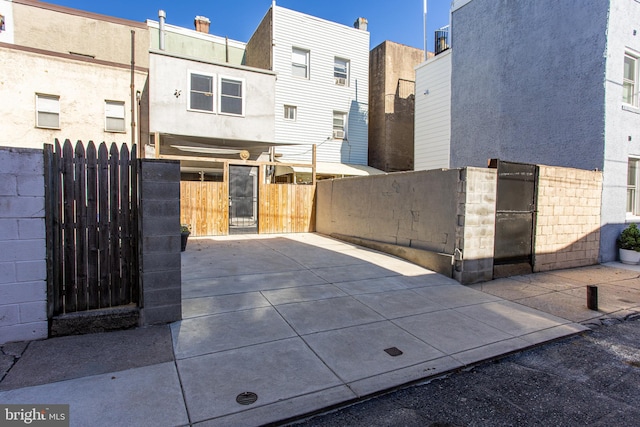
[{"x": 161, "y": 16}]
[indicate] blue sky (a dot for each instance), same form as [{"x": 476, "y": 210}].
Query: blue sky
[{"x": 399, "y": 21}]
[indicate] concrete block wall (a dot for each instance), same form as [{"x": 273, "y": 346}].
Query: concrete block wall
[
  {"x": 411, "y": 209},
  {"x": 23, "y": 272},
  {"x": 568, "y": 221},
  {"x": 160, "y": 242},
  {"x": 475, "y": 225}
]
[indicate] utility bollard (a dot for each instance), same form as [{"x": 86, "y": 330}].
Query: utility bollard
[{"x": 592, "y": 297}]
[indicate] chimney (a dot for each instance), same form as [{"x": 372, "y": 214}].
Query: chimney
[
  {"x": 162, "y": 16},
  {"x": 202, "y": 24},
  {"x": 361, "y": 24}
]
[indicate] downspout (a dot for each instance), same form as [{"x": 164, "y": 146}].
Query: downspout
[{"x": 133, "y": 88}]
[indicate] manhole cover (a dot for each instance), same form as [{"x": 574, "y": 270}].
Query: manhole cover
[
  {"x": 393, "y": 351},
  {"x": 246, "y": 398}
]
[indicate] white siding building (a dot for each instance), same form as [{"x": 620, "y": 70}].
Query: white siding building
[
  {"x": 322, "y": 86},
  {"x": 433, "y": 113}
]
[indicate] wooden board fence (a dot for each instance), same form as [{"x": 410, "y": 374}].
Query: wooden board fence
[
  {"x": 205, "y": 207},
  {"x": 92, "y": 226},
  {"x": 286, "y": 208}
]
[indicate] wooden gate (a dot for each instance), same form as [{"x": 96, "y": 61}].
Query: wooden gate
[
  {"x": 282, "y": 208},
  {"x": 92, "y": 227}
]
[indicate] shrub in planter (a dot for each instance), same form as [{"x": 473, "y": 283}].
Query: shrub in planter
[
  {"x": 629, "y": 244},
  {"x": 185, "y": 230}
]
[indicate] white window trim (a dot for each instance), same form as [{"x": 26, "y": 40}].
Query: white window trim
[
  {"x": 44, "y": 110},
  {"x": 636, "y": 57},
  {"x": 307, "y": 62},
  {"x": 348, "y": 71},
  {"x": 334, "y": 132},
  {"x": 244, "y": 95},
  {"x": 634, "y": 215},
  {"x": 107, "y": 116},
  {"x": 213, "y": 94},
  {"x": 295, "y": 112}
]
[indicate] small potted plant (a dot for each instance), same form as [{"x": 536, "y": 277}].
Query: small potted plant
[
  {"x": 185, "y": 230},
  {"x": 629, "y": 245}
]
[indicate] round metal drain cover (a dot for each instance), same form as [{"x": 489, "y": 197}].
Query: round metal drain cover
[{"x": 246, "y": 398}]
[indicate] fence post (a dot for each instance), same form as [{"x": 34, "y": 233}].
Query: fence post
[{"x": 161, "y": 299}]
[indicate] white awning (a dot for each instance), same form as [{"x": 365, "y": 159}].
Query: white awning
[{"x": 330, "y": 169}]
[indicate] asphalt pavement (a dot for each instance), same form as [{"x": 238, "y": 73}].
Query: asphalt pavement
[{"x": 592, "y": 379}]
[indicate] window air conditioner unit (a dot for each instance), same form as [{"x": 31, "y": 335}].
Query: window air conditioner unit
[
  {"x": 340, "y": 81},
  {"x": 338, "y": 134}
]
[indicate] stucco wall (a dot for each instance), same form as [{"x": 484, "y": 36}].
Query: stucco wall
[
  {"x": 391, "y": 105},
  {"x": 64, "y": 30},
  {"x": 169, "y": 113},
  {"x": 23, "y": 268},
  {"x": 528, "y": 82},
  {"x": 82, "y": 87},
  {"x": 567, "y": 230},
  {"x": 442, "y": 211}
]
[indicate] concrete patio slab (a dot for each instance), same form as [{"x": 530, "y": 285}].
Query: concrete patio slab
[
  {"x": 204, "y": 287},
  {"x": 316, "y": 316},
  {"x": 79, "y": 356},
  {"x": 274, "y": 371},
  {"x": 562, "y": 305},
  {"x": 302, "y": 294},
  {"x": 210, "y": 334},
  {"x": 455, "y": 296},
  {"x": 512, "y": 318},
  {"x": 196, "y": 307},
  {"x": 512, "y": 288},
  {"x": 359, "y": 271},
  {"x": 451, "y": 332},
  {"x": 147, "y": 396},
  {"x": 394, "y": 304},
  {"x": 359, "y": 352}
]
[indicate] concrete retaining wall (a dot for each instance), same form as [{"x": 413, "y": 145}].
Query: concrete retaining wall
[
  {"x": 568, "y": 220},
  {"x": 23, "y": 267},
  {"x": 437, "y": 211}
]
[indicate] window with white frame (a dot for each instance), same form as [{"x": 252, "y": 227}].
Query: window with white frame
[
  {"x": 290, "y": 112},
  {"x": 47, "y": 111},
  {"x": 632, "y": 187},
  {"x": 630, "y": 80},
  {"x": 114, "y": 120},
  {"x": 300, "y": 63},
  {"x": 231, "y": 96},
  {"x": 339, "y": 123},
  {"x": 201, "y": 92},
  {"x": 341, "y": 71}
]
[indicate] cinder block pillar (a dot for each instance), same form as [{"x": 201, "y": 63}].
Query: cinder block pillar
[
  {"x": 23, "y": 267},
  {"x": 160, "y": 241},
  {"x": 475, "y": 229}
]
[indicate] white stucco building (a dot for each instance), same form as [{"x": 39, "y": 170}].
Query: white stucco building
[
  {"x": 68, "y": 75},
  {"x": 203, "y": 101}
]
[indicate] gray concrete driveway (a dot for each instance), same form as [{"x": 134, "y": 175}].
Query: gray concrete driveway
[
  {"x": 306, "y": 322},
  {"x": 276, "y": 327}
]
